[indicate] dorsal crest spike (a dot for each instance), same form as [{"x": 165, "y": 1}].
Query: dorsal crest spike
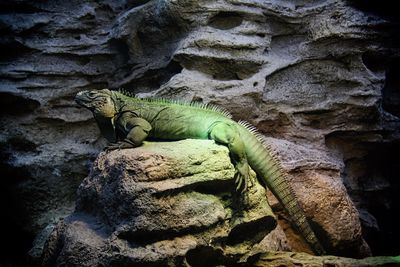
[
  {"x": 125, "y": 92},
  {"x": 206, "y": 106},
  {"x": 253, "y": 130}
]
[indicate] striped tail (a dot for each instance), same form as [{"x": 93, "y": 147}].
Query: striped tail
[{"x": 262, "y": 160}]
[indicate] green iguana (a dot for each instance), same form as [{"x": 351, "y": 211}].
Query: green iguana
[{"x": 127, "y": 121}]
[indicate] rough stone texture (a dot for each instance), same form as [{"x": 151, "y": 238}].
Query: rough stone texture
[
  {"x": 276, "y": 259},
  {"x": 315, "y": 177},
  {"x": 162, "y": 203},
  {"x": 174, "y": 204},
  {"x": 323, "y": 75}
]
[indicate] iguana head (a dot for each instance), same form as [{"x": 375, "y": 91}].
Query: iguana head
[
  {"x": 100, "y": 102},
  {"x": 97, "y": 101}
]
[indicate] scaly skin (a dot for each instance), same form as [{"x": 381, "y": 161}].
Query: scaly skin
[{"x": 127, "y": 121}]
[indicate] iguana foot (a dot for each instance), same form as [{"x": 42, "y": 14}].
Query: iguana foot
[
  {"x": 242, "y": 177},
  {"x": 228, "y": 134},
  {"x": 118, "y": 145}
]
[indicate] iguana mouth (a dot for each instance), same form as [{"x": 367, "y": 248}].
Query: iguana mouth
[
  {"x": 82, "y": 99},
  {"x": 80, "y": 96},
  {"x": 79, "y": 102}
]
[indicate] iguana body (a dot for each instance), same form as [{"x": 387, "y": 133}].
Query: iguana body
[{"x": 129, "y": 121}]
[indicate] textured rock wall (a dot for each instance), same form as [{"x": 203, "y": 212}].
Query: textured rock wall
[
  {"x": 301, "y": 259},
  {"x": 323, "y": 75}
]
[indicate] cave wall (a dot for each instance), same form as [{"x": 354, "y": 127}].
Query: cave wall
[{"x": 321, "y": 74}]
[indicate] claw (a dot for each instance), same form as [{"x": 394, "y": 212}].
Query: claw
[
  {"x": 120, "y": 145},
  {"x": 242, "y": 176},
  {"x": 111, "y": 147},
  {"x": 236, "y": 177},
  {"x": 245, "y": 178},
  {"x": 239, "y": 182},
  {"x": 252, "y": 180}
]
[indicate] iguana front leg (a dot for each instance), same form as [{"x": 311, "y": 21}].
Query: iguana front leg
[
  {"x": 227, "y": 134},
  {"x": 131, "y": 131}
]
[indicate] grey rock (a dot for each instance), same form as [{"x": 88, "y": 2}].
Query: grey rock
[
  {"x": 160, "y": 203},
  {"x": 316, "y": 180},
  {"x": 302, "y": 259},
  {"x": 174, "y": 204}
]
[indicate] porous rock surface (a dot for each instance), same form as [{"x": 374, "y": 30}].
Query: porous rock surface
[
  {"x": 174, "y": 204},
  {"x": 277, "y": 259},
  {"x": 315, "y": 178},
  {"x": 321, "y": 76},
  {"x": 161, "y": 204}
]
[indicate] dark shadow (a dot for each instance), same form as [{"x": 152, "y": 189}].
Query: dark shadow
[
  {"x": 226, "y": 20},
  {"x": 12, "y": 104},
  {"x": 391, "y": 90}
]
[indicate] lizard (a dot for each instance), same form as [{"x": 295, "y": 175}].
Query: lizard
[{"x": 126, "y": 121}]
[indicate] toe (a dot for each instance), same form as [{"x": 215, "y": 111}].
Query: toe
[{"x": 239, "y": 183}]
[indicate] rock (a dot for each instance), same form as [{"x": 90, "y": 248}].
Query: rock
[
  {"x": 277, "y": 240},
  {"x": 169, "y": 201},
  {"x": 275, "y": 259},
  {"x": 157, "y": 204},
  {"x": 316, "y": 180},
  {"x": 320, "y": 74}
]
